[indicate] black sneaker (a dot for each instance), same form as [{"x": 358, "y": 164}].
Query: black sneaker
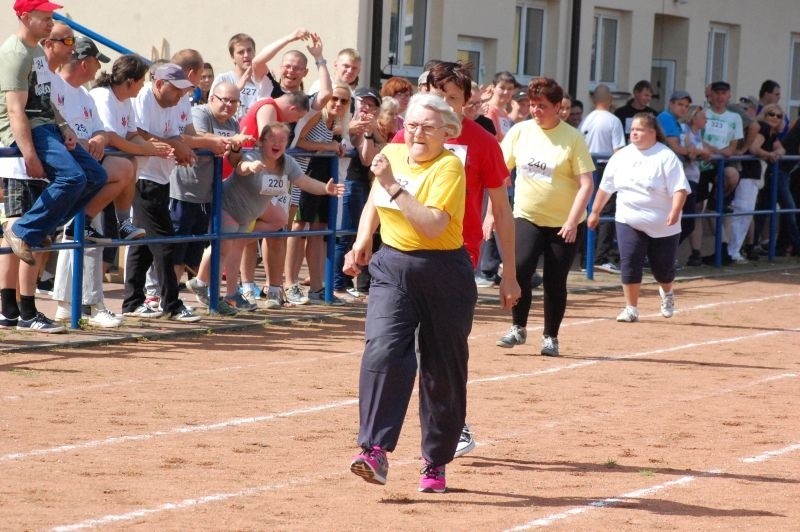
[
  {"x": 128, "y": 231},
  {"x": 45, "y": 287},
  {"x": 40, "y": 323},
  {"x": 90, "y": 234},
  {"x": 185, "y": 315},
  {"x": 8, "y": 322}
]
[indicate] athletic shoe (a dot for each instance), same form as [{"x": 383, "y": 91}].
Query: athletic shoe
[
  {"x": 465, "y": 443},
  {"x": 185, "y": 315},
  {"x": 608, "y": 267},
  {"x": 153, "y": 301},
  {"x": 628, "y": 315},
  {"x": 549, "y": 346},
  {"x": 144, "y": 311},
  {"x": 250, "y": 296},
  {"x": 356, "y": 293},
  {"x": 63, "y": 311},
  {"x": 432, "y": 480},
  {"x": 8, "y": 322},
  {"x": 224, "y": 309},
  {"x": 128, "y": 231},
  {"x": 371, "y": 464},
  {"x": 275, "y": 299},
  {"x": 200, "y": 292},
  {"x": 695, "y": 259},
  {"x": 295, "y": 295},
  {"x": 238, "y": 302},
  {"x": 516, "y": 335},
  {"x": 40, "y": 323},
  {"x": 45, "y": 287},
  {"x": 90, "y": 234},
  {"x": 19, "y": 247},
  {"x": 667, "y": 303},
  {"x": 318, "y": 297},
  {"x": 104, "y": 319},
  {"x": 483, "y": 282}
]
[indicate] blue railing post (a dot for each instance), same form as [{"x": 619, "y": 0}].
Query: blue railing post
[
  {"x": 330, "y": 248},
  {"x": 773, "y": 216},
  {"x": 216, "y": 238},
  {"x": 78, "y": 226},
  {"x": 720, "y": 207},
  {"x": 591, "y": 234}
]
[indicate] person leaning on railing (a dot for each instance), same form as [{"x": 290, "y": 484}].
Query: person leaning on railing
[{"x": 768, "y": 146}]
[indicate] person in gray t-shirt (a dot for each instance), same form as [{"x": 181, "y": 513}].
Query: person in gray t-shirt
[
  {"x": 260, "y": 178},
  {"x": 191, "y": 187}
]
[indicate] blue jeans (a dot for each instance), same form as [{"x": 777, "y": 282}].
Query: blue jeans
[
  {"x": 355, "y": 197},
  {"x": 75, "y": 177}
]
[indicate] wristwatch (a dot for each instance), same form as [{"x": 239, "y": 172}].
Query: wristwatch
[{"x": 321, "y": 62}]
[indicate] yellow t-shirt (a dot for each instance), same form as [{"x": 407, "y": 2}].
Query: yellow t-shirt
[
  {"x": 548, "y": 162},
  {"x": 439, "y": 183}
]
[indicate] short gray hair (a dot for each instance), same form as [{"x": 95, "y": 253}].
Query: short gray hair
[{"x": 430, "y": 101}]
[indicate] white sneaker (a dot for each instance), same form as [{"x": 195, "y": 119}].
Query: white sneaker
[
  {"x": 516, "y": 335},
  {"x": 628, "y": 315},
  {"x": 63, "y": 312},
  {"x": 295, "y": 295},
  {"x": 275, "y": 299},
  {"x": 608, "y": 267},
  {"x": 104, "y": 318},
  {"x": 549, "y": 346},
  {"x": 466, "y": 442},
  {"x": 667, "y": 303}
]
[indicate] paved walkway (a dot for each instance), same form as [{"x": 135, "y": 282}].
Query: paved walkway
[{"x": 135, "y": 329}]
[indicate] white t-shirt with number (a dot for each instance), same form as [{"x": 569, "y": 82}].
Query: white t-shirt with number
[
  {"x": 78, "y": 109},
  {"x": 645, "y": 181}
]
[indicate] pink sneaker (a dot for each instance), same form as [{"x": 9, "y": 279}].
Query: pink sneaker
[
  {"x": 432, "y": 480},
  {"x": 371, "y": 465}
]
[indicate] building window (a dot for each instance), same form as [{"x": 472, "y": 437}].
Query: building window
[
  {"x": 407, "y": 27},
  {"x": 794, "y": 77},
  {"x": 604, "y": 49},
  {"x": 717, "y": 57},
  {"x": 528, "y": 39}
]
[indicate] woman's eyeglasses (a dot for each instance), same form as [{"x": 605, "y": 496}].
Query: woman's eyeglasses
[
  {"x": 773, "y": 114},
  {"x": 424, "y": 129},
  {"x": 343, "y": 101}
]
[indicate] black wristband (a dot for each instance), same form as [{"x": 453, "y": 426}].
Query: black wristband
[
  {"x": 396, "y": 194},
  {"x": 370, "y": 137}
]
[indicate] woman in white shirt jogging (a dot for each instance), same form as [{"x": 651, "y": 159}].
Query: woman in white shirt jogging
[{"x": 651, "y": 188}]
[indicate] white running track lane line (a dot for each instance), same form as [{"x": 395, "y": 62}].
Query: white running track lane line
[
  {"x": 644, "y": 492},
  {"x": 295, "y": 360},
  {"x": 247, "y": 492},
  {"x": 113, "y": 440},
  {"x": 603, "y": 503},
  {"x": 235, "y": 422},
  {"x": 763, "y": 457}
]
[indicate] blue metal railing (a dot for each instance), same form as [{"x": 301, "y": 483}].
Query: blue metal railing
[
  {"x": 215, "y": 236},
  {"x": 719, "y": 212},
  {"x": 96, "y": 37}
]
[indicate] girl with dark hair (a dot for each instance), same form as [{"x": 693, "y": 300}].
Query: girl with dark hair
[
  {"x": 651, "y": 188},
  {"x": 553, "y": 186}
]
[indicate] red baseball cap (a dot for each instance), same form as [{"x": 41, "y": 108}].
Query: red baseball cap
[{"x": 26, "y": 6}]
